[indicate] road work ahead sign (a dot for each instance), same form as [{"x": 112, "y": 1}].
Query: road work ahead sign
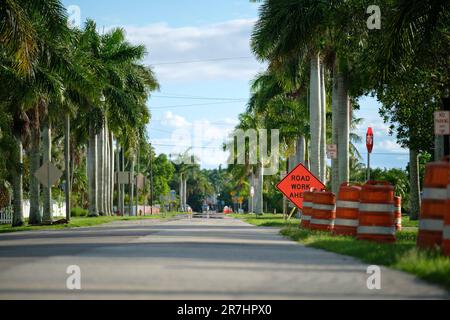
[{"x": 298, "y": 181}]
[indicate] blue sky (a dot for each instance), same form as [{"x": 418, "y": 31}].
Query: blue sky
[{"x": 200, "y": 53}]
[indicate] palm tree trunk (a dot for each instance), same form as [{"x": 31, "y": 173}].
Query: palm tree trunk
[
  {"x": 35, "y": 217},
  {"x": 259, "y": 188},
  {"x": 100, "y": 180},
  {"x": 92, "y": 171},
  {"x": 335, "y": 133},
  {"x": 47, "y": 158},
  {"x": 67, "y": 165},
  {"x": 343, "y": 127},
  {"x": 136, "y": 181},
  {"x": 122, "y": 187},
  {"x": 111, "y": 173},
  {"x": 185, "y": 194},
  {"x": 315, "y": 114},
  {"x": 323, "y": 136},
  {"x": 17, "y": 182},
  {"x": 300, "y": 147},
  {"x": 106, "y": 171},
  {"x": 131, "y": 203},
  {"x": 118, "y": 187},
  {"x": 251, "y": 199},
  {"x": 415, "y": 184}
]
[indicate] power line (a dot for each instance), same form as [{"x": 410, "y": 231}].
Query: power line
[
  {"x": 198, "y": 98},
  {"x": 202, "y": 60},
  {"x": 194, "y": 105}
]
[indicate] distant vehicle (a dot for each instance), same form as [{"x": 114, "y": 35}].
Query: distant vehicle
[{"x": 227, "y": 210}]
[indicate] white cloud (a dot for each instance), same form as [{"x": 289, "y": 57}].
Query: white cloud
[
  {"x": 174, "y": 121},
  {"x": 205, "y": 137},
  {"x": 229, "y": 39}
]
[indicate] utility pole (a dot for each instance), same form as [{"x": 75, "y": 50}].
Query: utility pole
[{"x": 151, "y": 180}]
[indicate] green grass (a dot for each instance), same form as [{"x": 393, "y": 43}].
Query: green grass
[
  {"x": 408, "y": 223},
  {"x": 78, "y": 222},
  {"x": 267, "y": 220},
  {"x": 403, "y": 255}
]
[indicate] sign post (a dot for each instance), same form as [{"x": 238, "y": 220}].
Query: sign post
[
  {"x": 297, "y": 182},
  {"x": 369, "y": 144}
]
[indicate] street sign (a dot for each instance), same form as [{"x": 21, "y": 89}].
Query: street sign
[
  {"x": 123, "y": 177},
  {"x": 252, "y": 191},
  {"x": 442, "y": 123},
  {"x": 369, "y": 140},
  {"x": 332, "y": 151},
  {"x": 48, "y": 174},
  {"x": 297, "y": 182}
]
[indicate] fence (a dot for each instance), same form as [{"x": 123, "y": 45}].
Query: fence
[{"x": 6, "y": 215}]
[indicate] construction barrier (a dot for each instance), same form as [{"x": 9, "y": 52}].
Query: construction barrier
[
  {"x": 434, "y": 205},
  {"x": 323, "y": 211},
  {"x": 446, "y": 231},
  {"x": 398, "y": 213},
  {"x": 347, "y": 210},
  {"x": 308, "y": 197},
  {"x": 376, "y": 212}
]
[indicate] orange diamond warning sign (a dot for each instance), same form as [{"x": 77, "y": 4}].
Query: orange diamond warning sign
[{"x": 298, "y": 181}]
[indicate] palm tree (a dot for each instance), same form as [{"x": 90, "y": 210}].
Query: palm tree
[
  {"x": 19, "y": 33},
  {"x": 287, "y": 29}
]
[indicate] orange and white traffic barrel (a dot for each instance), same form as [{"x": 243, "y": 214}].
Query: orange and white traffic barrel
[
  {"x": 308, "y": 197},
  {"x": 323, "y": 211},
  {"x": 347, "y": 210},
  {"x": 446, "y": 231},
  {"x": 376, "y": 212},
  {"x": 434, "y": 205},
  {"x": 398, "y": 213}
]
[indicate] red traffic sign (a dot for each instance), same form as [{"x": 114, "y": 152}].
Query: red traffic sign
[
  {"x": 369, "y": 140},
  {"x": 297, "y": 182}
]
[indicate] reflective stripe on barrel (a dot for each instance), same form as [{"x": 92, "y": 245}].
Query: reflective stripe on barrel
[
  {"x": 376, "y": 230},
  {"x": 307, "y": 218},
  {"x": 431, "y": 225},
  {"x": 347, "y": 204},
  {"x": 434, "y": 193},
  {"x": 376, "y": 207},
  {"x": 324, "y": 207},
  {"x": 322, "y": 222},
  {"x": 346, "y": 222}
]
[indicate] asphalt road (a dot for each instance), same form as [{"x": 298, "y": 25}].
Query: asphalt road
[{"x": 187, "y": 259}]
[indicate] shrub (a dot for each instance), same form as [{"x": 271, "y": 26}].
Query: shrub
[{"x": 78, "y": 212}]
